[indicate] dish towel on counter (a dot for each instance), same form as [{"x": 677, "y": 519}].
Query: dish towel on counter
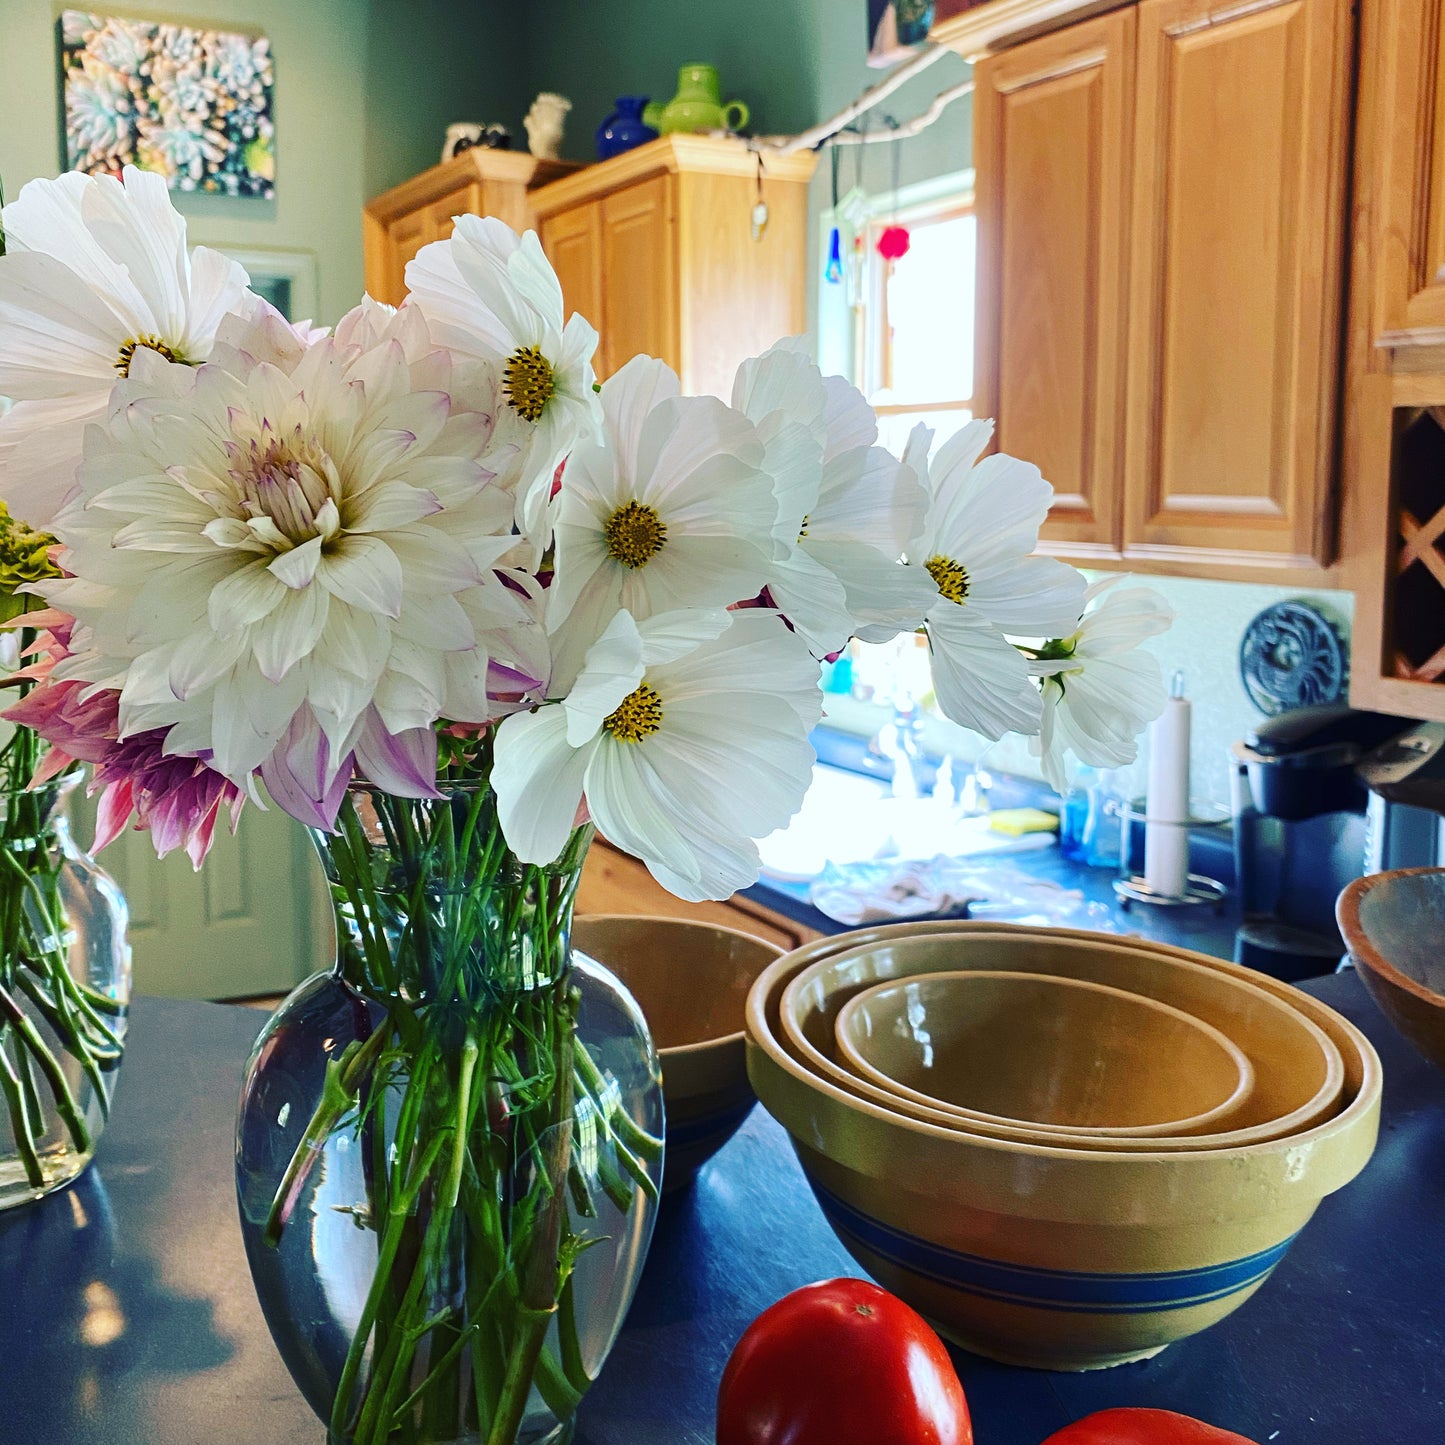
[{"x": 883, "y": 890}]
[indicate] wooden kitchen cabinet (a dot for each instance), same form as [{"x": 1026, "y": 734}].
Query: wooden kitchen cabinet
[
  {"x": 614, "y": 882},
  {"x": 1394, "y": 443},
  {"x": 480, "y": 182},
  {"x": 1052, "y": 137},
  {"x": 656, "y": 248},
  {"x": 1161, "y": 203},
  {"x": 1236, "y": 287}
]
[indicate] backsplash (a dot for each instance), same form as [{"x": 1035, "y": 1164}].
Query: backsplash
[{"x": 1210, "y": 619}]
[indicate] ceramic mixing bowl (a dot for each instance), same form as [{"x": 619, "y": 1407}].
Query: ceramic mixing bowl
[
  {"x": 1051, "y": 1257},
  {"x": 691, "y": 980},
  {"x": 1298, "y": 1071},
  {"x": 1077, "y": 1057},
  {"x": 1393, "y": 923}
]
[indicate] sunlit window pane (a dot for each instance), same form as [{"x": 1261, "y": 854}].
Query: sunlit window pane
[{"x": 930, "y": 314}]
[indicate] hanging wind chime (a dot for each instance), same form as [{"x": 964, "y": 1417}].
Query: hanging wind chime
[{"x": 894, "y": 240}]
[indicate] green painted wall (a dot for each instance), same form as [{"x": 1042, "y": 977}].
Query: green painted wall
[
  {"x": 364, "y": 91},
  {"x": 430, "y": 63}
]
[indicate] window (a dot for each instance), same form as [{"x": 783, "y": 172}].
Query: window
[{"x": 916, "y": 326}]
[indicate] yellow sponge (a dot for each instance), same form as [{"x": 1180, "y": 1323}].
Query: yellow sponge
[{"x": 1016, "y": 821}]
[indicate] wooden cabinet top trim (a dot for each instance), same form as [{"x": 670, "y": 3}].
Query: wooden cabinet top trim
[
  {"x": 476, "y": 164},
  {"x": 669, "y": 154},
  {"x": 997, "y": 24}
]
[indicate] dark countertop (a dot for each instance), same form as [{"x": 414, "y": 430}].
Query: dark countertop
[{"x": 127, "y": 1315}]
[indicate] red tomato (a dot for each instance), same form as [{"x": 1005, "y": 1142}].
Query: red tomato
[
  {"x": 841, "y": 1363},
  {"x": 1143, "y": 1427}
]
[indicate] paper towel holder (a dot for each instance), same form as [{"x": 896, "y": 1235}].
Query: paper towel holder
[{"x": 1199, "y": 890}]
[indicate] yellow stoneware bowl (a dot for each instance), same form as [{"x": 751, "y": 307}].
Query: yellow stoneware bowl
[
  {"x": 1057, "y": 1258},
  {"x": 691, "y": 981},
  {"x": 1298, "y": 1071},
  {"x": 1030, "y": 1048}
]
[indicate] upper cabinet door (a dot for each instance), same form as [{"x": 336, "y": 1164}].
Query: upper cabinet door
[
  {"x": 638, "y": 262},
  {"x": 1052, "y": 160},
  {"x": 1403, "y": 45},
  {"x": 573, "y": 243},
  {"x": 1236, "y": 281}
]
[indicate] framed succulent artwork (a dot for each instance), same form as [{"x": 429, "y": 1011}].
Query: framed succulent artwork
[{"x": 192, "y": 103}]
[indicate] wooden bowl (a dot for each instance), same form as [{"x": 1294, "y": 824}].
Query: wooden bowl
[
  {"x": 1298, "y": 1071},
  {"x": 1394, "y": 924},
  {"x": 691, "y": 981},
  {"x": 1056, "y": 1258},
  {"x": 1037, "y": 1049}
]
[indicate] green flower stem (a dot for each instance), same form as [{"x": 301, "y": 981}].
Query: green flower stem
[
  {"x": 54, "y": 1075},
  {"x": 540, "y": 1281},
  {"x": 339, "y": 1089},
  {"x": 20, "y": 1121}
]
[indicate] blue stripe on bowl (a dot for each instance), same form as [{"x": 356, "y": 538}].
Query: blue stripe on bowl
[
  {"x": 1069, "y": 1291},
  {"x": 694, "y": 1131}
]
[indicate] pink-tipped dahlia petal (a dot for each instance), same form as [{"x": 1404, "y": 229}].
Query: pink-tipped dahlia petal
[
  {"x": 402, "y": 763},
  {"x": 298, "y": 776}
]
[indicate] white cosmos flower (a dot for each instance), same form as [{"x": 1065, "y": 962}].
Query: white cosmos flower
[
  {"x": 1099, "y": 689},
  {"x": 95, "y": 271},
  {"x": 670, "y": 510},
  {"x": 982, "y": 525},
  {"x": 847, "y": 510},
  {"x": 304, "y": 556},
  {"x": 491, "y": 295},
  {"x": 686, "y": 734}
]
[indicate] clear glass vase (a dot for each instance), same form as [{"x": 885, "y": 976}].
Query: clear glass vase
[
  {"x": 64, "y": 992},
  {"x": 450, "y": 1145}
]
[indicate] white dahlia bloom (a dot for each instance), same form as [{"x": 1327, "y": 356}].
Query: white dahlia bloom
[
  {"x": 847, "y": 510},
  {"x": 300, "y": 560},
  {"x": 685, "y": 734},
  {"x": 1100, "y": 690},
  {"x": 670, "y": 510},
  {"x": 96, "y": 271},
  {"x": 981, "y": 529},
  {"x": 493, "y": 296}
]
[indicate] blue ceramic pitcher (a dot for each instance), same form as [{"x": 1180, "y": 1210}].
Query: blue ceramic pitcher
[{"x": 624, "y": 128}]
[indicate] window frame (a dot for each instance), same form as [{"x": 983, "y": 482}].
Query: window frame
[{"x": 873, "y": 337}]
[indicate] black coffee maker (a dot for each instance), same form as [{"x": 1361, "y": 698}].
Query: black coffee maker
[{"x": 1306, "y": 823}]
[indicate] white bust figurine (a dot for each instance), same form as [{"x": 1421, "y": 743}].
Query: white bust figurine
[{"x": 544, "y": 124}]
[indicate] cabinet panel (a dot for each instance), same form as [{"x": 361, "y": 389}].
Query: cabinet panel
[
  {"x": 1236, "y": 279},
  {"x": 1402, "y": 136},
  {"x": 639, "y": 264},
  {"x": 573, "y": 243},
  {"x": 406, "y": 235},
  {"x": 1052, "y": 140}
]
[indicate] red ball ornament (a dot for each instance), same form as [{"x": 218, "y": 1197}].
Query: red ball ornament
[{"x": 893, "y": 243}]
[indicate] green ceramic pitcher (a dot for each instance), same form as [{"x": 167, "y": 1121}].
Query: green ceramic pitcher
[{"x": 698, "y": 105}]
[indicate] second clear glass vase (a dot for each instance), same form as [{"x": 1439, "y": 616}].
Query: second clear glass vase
[
  {"x": 449, "y": 1147},
  {"x": 64, "y": 994}
]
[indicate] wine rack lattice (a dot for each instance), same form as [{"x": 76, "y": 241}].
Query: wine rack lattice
[{"x": 1418, "y": 601}]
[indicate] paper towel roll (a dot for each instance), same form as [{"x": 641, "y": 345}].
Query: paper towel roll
[{"x": 1166, "y": 833}]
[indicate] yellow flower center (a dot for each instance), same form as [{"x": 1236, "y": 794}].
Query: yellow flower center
[
  {"x": 635, "y": 535},
  {"x": 803, "y": 530},
  {"x": 528, "y": 382},
  {"x": 637, "y": 715},
  {"x": 951, "y": 577},
  {"x": 144, "y": 342}
]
